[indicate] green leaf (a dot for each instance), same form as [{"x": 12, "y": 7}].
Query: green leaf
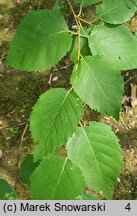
[
  {"x": 53, "y": 120},
  {"x": 27, "y": 167},
  {"x": 5, "y": 190},
  {"x": 84, "y": 47},
  {"x": 87, "y": 2},
  {"x": 96, "y": 151},
  {"x": 116, "y": 43},
  {"x": 56, "y": 178},
  {"x": 116, "y": 11},
  {"x": 98, "y": 84},
  {"x": 40, "y": 41},
  {"x": 87, "y": 197}
]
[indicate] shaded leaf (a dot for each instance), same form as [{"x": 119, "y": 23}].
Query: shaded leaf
[
  {"x": 116, "y": 11},
  {"x": 84, "y": 47},
  {"x": 117, "y": 44},
  {"x": 98, "y": 84},
  {"x": 40, "y": 41},
  {"x": 6, "y": 191},
  {"x": 27, "y": 167},
  {"x": 56, "y": 178},
  {"x": 96, "y": 151},
  {"x": 53, "y": 120}
]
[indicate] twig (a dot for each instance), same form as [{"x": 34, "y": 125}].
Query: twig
[
  {"x": 23, "y": 134},
  {"x": 130, "y": 79},
  {"x": 50, "y": 79},
  {"x": 80, "y": 10},
  {"x": 85, "y": 21},
  {"x": 75, "y": 17},
  {"x": 75, "y": 33},
  {"x": 72, "y": 32},
  {"x": 18, "y": 155}
]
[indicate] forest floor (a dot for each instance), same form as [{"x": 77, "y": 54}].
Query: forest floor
[{"x": 20, "y": 90}]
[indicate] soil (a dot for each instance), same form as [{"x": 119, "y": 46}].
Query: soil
[{"x": 20, "y": 90}]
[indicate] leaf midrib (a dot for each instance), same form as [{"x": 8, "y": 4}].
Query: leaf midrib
[
  {"x": 67, "y": 94},
  {"x": 61, "y": 173},
  {"x": 90, "y": 145},
  {"x": 34, "y": 45},
  {"x": 107, "y": 99}
]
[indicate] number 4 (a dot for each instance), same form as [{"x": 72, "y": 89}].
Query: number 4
[{"x": 128, "y": 207}]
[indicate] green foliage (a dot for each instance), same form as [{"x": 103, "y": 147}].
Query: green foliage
[
  {"x": 93, "y": 157},
  {"x": 96, "y": 151},
  {"x": 84, "y": 46},
  {"x": 37, "y": 44},
  {"x": 56, "y": 178},
  {"x": 14, "y": 130},
  {"x": 53, "y": 120},
  {"x": 87, "y": 197},
  {"x": 91, "y": 75},
  {"x": 60, "y": 5},
  {"x": 116, "y": 11},
  {"x": 87, "y": 2},
  {"x": 116, "y": 43},
  {"x": 27, "y": 167},
  {"x": 6, "y": 192}
]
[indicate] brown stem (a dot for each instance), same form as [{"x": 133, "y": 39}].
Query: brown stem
[{"x": 18, "y": 155}]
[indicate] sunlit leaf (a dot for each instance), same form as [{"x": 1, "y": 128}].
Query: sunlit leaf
[
  {"x": 56, "y": 178},
  {"x": 40, "y": 41},
  {"x": 98, "y": 84},
  {"x": 53, "y": 120},
  {"x": 117, "y": 44},
  {"x": 96, "y": 151},
  {"x": 116, "y": 11}
]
